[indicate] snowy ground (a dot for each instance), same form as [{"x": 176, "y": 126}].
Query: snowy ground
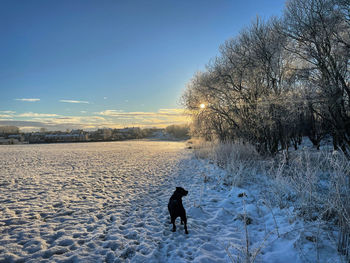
[{"x": 107, "y": 202}]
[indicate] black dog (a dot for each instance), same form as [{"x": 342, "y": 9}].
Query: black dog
[{"x": 176, "y": 209}]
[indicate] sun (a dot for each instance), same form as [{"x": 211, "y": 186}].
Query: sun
[{"x": 202, "y": 106}]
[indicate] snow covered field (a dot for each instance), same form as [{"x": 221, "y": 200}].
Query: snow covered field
[{"x": 107, "y": 202}]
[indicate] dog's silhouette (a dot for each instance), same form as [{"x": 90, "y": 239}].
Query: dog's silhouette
[{"x": 176, "y": 209}]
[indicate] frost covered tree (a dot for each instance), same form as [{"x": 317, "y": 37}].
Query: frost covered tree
[
  {"x": 318, "y": 33},
  {"x": 244, "y": 92},
  {"x": 279, "y": 80}
]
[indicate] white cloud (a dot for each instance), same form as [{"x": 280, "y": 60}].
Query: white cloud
[
  {"x": 74, "y": 101},
  {"x": 36, "y": 115},
  {"x": 161, "y": 118},
  {"x": 78, "y": 120},
  {"x": 107, "y": 118},
  {"x": 29, "y": 100},
  {"x": 159, "y": 113},
  {"x": 7, "y": 111},
  {"x": 5, "y": 116},
  {"x": 172, "y": 111},
  {"x": 112, "y": 113}
]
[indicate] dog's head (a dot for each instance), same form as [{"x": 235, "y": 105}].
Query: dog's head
[{"x": 180, "y": 191}]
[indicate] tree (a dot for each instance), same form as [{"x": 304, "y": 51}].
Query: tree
[
  {"x": 9, "y": 130},
  {"x": 319, "y": 35},
  {"x": 243, "y": 90}
]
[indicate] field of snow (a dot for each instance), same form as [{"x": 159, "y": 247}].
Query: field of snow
[{"x": 107, "y": 202}]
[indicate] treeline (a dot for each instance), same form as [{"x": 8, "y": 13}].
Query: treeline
[
  {"x": 178, "y": 131},
  {"x": 9, "y": 130},
  {"x": 279, "y": 80}
]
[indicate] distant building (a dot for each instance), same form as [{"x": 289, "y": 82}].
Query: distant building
[
  {"x": 5, "y": 141},
  {"x": 52, "y": 137},
  {"x": 19, "y": 137}
]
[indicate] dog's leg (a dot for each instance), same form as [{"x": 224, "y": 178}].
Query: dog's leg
[
  {"x": 182, "y": 222},
  {"x": 173, "y": 222},
  {"x": 185, "y": 223}
]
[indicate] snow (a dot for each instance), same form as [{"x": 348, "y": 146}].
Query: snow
[{"x": 107, "y": 202}]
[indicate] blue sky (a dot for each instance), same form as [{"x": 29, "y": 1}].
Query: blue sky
[{"x": 89, "y": 64}]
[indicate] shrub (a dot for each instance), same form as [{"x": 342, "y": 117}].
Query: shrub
[{"x": 317, "y": 184}]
